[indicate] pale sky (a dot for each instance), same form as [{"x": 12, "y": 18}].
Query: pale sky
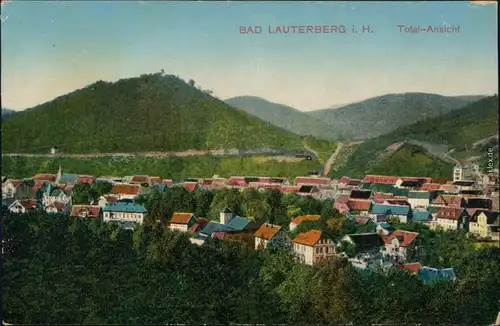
[{"x": 52, "y": 48}]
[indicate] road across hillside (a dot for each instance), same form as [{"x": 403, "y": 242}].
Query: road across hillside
[{"x": 188, "y": 153}]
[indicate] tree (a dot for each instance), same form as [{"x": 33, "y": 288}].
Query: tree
[
  {"x": 191, "y": 83},
  {"x": 340, "y": 226}
]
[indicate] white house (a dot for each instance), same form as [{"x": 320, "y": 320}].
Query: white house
[
  {"x": 313, "y": 247},
  {"x": 9, "y": 188},
  {"x": 181, "y": 221},
  {"x": 450, "y": 218},
  {"x": 399, "y": 246},
  {"x": 465, "y": 172},
  {"x": 270, "y": 233},
  {"x": 419, "y": 199},
  {"x": 124, "y": 212}
]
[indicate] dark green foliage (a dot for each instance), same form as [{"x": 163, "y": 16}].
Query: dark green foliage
[
  {"x": 150, "y": 113},
  {"x": 457, "y": 129},
  {"x": 60, "y": 270}
]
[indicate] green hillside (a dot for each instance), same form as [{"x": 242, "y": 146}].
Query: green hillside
[
  {"x": 458, "y": 129},
  {"x": 177, "y": 168},
  {"x": 153, "y": 112},
  {"x": 284, "y": 117},
  {"x": 380, "y": 115}
]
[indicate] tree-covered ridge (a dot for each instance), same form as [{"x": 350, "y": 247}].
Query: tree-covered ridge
[
  {"x": 458, "y": 129},
  {"x": 153, "y": 112},
  {"x": 382, "y": 114},
  {"x": 108, "y": 275},
  {"x": 177, "y": 168},
  {"x": 283, "y": 116}
]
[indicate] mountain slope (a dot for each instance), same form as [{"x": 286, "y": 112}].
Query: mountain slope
[
  {"x": 150, "y": 113},
  {"x": 283, "y": 116},
  {"x": 380, "y": 115},
  {"x": 458, "y": 130}
]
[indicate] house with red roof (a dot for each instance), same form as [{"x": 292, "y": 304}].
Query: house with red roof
[
  {"x": 270, "y": 235},
  {"x": 84, "y": 211},
  {"x": 45, "y": 177},
  {"x": 359, "y": 206},
  {"x": 313, "y": 181},
  {"x": 430, "y": 187},
  {"x": 182, "y": 221},
  {"x": 380, "y": 179},
  {"x": 344, "y": 180},
  {"x": 412, "y": 268},
  {"x": 85, "y": 179},
  {"x": 58, "y": 207},
  {"x": 237, "y": 182},
  {"x": 190, "y": 186},
  {"x": 168, "y": 182},
  {"x": 289, "y": 189},
  {"x": 313, "y": 247},
  {"x": 9, "y": 188},
  {"x": 139, "y": 179},
  {"x": 399, "y": 246},
  {"x": 21, "y": 206},
  {"x": 126, "y": 191},
  {"x": 452, "y": 218},
  {"x": 299, "y": 219}
]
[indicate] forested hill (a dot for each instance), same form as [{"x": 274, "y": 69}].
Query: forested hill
[
  {"x": 380, "y": 115},
  {"x": 458, "y": 130},
  {"x": 284, "y": 116},
  {"x": 152, "y": 112}
]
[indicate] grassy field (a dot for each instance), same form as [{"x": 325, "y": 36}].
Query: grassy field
[
  {"x": 324, "y": 148},
  {"x": 171, "y": 167}
]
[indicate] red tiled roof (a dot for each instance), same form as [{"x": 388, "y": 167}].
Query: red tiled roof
[
  {"x": 300, "y": 219},
  {"x": 37, "y": 186},
  {"x": 167, "y": 182},
  {"x": 382, "y": 179},
  {"x": 418, "y": 179},
  {"x": 199, "y": 225},
  {"x": 449, "y": 188},
  {"x": 449, "y": 213},
  {"x": 405, "y": 238},
  {"x": 290, "y": 189},
  {"x": 308, "y": 238},
  {"x": 413, "y": 268},
  {"x": 125, "y": 189},
  {"x": 430, "y": 186},
  {"x": 237, "y": 181},
  {"x": 382, "y": 197},
  {"x": 57, "y": 205},
  {"x": 68, "y": 188},
  {"x": 267, "y": 231},
  {"x": 344, "y": 180},
  {"x": 154, "y": 180},
  {"x": 45, "y": 177},
  {"x": 138, "y": 179},
  {"x": 312, "y": 181},
  {"x": 190, "y": 186},
  {"x": 354, "y": 182},
  {"x": 272, "y": 180},
  {"x": 260, "y": 185},
  {"x": 359, "y": 205},
  {"x": 16, "y": 183},
  {"x": 85, "y": 179},
  {"x": 398, "y": 201},
  {"x": 181, "y": 218},
  {"x": 93, "y": 210}
]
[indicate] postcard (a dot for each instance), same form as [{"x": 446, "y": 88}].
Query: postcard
[{"x": 244, "y": 162}]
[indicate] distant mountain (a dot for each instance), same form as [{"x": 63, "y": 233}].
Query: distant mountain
[
  {"x": 152, "y": 112},
  {"x": 380, "y": 115},
  {"x": 7, "y": 111},
  {"x": 284, "y": 117},
  {"x": 458, "y": 130}
]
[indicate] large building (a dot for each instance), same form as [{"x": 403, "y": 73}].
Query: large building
[
  {"x": 465, "y": 172},
  {"x": 124, "y": 212}
]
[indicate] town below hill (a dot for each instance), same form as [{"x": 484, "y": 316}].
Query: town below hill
[{"x": 309, "y": 244}]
